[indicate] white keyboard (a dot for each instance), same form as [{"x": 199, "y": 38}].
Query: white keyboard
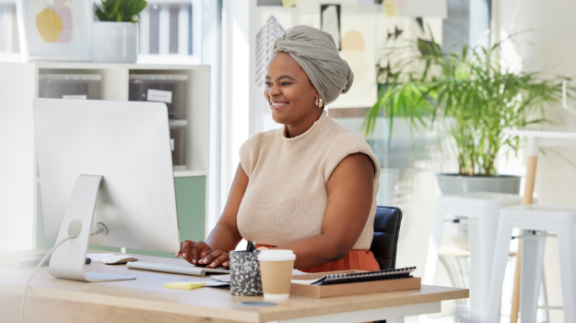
[{"x": 176, "y": 269}]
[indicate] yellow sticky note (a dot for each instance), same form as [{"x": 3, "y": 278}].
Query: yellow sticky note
[{"x": 184, "y": 285}]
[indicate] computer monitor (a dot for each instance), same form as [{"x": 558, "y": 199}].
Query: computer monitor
[{"x": 105, "y": 162}]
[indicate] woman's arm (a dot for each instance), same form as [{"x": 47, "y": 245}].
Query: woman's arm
[
  {"x": 350, "y": 190},
  {"x": 225, "y": 235}
]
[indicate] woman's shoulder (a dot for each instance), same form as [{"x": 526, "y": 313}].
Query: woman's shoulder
[
  {"x": 342, "y": 138},
  {"x": 262, "y": 138},
  {"x": 344, "y": 142}
]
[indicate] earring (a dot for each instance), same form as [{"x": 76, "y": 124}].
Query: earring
[
  {"x": 317, "y": 104},
  {"x": 321, "y": 104}
]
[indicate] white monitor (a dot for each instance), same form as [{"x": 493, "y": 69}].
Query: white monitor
[{"x": 105, "y": 162}]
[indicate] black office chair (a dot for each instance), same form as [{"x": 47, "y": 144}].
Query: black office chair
[
  {"x": 385, "y": 242},
  {"x": 386, "y": 231}
]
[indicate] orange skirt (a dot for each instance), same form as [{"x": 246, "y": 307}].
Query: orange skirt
[{"x": 355, "y": 259}]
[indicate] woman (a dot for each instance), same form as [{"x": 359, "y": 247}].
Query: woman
[{"x": 310, "y": 186}]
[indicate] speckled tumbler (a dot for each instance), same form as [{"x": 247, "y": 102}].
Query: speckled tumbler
[{"x": 245, "y": 273}]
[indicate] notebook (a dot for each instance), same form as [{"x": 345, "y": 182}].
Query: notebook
[{"x": 386, "y": 274}]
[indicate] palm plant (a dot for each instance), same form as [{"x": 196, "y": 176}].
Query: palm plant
[
  {"x": 471, "y": 92},
  {"x": 120, "y": 10}
]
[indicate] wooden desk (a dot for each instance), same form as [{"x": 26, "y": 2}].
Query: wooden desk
[{"x": 145, "y": 300}]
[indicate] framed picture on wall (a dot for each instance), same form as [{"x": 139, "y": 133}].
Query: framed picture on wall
[{"x": 55, "y": 29}]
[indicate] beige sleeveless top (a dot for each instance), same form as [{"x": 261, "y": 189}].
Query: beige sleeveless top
[{"x": 286, "y": 195}]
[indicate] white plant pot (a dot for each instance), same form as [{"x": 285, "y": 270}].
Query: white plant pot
[
  {"x": 114, "y": 42},
  {"x": 457, "y": 184}
]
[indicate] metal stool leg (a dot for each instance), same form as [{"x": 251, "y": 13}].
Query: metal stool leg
[
  {"x": 532, "y": 263},
  {"x": 504, "y": 234},
  {"x": 567, "y": 253}
]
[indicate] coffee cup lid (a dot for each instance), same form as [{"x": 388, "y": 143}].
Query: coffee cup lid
[{"x": 276, "y": 255}]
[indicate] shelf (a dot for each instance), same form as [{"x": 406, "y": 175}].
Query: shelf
[
  {"x": 188, "y": 173},
  {"x": 131, "y": 66},
  {"x": 190, "y": 129}
]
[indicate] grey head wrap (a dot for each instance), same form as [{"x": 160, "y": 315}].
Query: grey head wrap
[{"x": 315, "y": 51}]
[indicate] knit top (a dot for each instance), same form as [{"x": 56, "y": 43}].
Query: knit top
[{"x": 286, "y": 196}]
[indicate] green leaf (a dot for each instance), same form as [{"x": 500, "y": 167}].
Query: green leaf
[
  {"x": 99, "y": 14},
  {"x": 120, "y": 10}
]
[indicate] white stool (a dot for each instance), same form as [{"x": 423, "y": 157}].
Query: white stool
[
  {"x": 482, "y": 209},
  {"x": 562, "y": 220}
]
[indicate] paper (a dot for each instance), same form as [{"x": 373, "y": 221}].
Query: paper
[
  {"x": 184, "y": 285},
  {"x": 217, "y": 284},
  {"x": 159, "y": 96},
  {"x": 289, "y": 3},
  {"x": 305, "y": 282},
  {"x": 298, "y": 272},
  {"x": 273, "y": 25},
  {"x": 331, "y": 22},
  {"x": 359, "y": 51},
  {"x": 99, "y": 256},
  {"x": 389, "y": 8},
  {"x": 415, "y": 8},
  {"x": 221, "y": 278}
]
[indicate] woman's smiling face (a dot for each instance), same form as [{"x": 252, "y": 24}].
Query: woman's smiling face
[{"x": 289, "y": 92}]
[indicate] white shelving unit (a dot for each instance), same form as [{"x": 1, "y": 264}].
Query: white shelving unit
[
  {"x": 115, "y": 87},
  {"x": 19, "y": 84}
]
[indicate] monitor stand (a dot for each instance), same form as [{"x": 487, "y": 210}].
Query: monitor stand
[{"x": 68, "y": 260}]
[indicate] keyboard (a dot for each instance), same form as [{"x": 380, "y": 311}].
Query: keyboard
[{"x": 176, "y": 269}]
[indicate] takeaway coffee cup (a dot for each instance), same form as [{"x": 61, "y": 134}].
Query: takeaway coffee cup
[
  {"x": 245, "y": 273},
  {"x": 276, "y": 271}
]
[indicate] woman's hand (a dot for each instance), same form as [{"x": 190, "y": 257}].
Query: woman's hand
[
  {"x": 193, "y": 251},
  {"x": 199, "y": 253},
  {"x": 216, "y": 259}
]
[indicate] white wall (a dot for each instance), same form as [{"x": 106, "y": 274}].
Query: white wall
[
  {"x": 235, "y": 88},
  {"x": 211, "y": 53},
  {"x": 547, "y": 45},
  {"x": 17, "y": 157}
]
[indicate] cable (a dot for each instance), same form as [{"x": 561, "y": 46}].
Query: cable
[{"x": 35, "y": 270}]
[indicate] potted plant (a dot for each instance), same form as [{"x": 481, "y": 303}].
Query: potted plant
[
  {"x": 114, "y": 36},
  {"x": 475, "y": 97}
]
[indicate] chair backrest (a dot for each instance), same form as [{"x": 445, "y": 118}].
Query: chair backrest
[{"x": 386, "y": 231}]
